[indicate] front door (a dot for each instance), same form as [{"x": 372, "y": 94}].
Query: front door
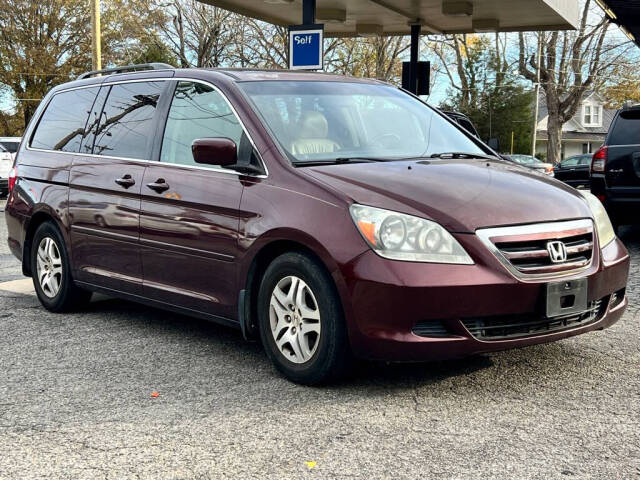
[
  {"x": 105, "y": 183},
  {"x": 189, "y": 215}
]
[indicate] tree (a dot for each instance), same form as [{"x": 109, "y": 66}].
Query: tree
[
  {"x": 198, "y": 35},
  {"x": 571, "y": 63},
  {"x": 623, "y": 85},
  {"x": 42, "y": 44},
  {"x": 375, "y": 57},
  {"x": 45, "y": 43},
  {"x": 484, "y": 87}
]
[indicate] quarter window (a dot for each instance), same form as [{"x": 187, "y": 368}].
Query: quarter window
[
  {"x": 126, "y": 123},
  {"x": 62, "y": 126},
  {"x": 197, "y": 111}
]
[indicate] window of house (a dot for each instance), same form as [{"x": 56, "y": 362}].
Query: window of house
[
  {"x": 587, "y": 114},
  {"x": 592, "y": 115}
]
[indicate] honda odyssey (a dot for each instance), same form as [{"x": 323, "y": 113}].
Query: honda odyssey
[{"x": 330, "y": 217}]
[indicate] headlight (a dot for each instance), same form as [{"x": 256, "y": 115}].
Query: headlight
[
  {"x": 403, "y": 237},
  {"x": 606, "y": 234}
]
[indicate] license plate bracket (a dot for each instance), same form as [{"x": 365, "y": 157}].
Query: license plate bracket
[{"x": 567, "y": 297}]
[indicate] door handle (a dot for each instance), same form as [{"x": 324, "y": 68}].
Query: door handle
[
  {"x": 126, "y": 181},
  {"x": 159, "y": 185}
]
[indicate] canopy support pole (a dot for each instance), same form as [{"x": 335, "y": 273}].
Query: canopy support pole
[
  {"x": 413, "y": 60},
  {"x": 308, "y": 12}
]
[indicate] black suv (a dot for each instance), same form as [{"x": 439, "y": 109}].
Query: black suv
[{"x": 615, "y": 168}]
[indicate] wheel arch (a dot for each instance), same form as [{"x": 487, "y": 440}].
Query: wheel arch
[
  {"x": 262, "y": 256},
  {"x": 37, "y": 219}
]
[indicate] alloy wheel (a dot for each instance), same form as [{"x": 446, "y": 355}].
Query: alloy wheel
[
  {"x": 49, "y": 267},
  {"x": 295, "y": 319}
]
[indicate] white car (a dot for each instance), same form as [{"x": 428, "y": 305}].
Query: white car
[{"x": 8, "y": 148}]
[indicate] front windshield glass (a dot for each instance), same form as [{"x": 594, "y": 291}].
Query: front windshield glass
[{"x": 323, "y": 121}]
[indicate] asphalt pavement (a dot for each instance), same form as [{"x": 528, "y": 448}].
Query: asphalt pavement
[{"x": 76, "y": 402}]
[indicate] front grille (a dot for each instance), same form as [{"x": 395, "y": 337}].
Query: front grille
[
  {"x": 524, "y": 249},
  {"x": 505, "y": 327}
]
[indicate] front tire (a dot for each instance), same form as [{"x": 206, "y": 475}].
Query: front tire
[
  {"x": 301, "y": 321},
  {"x": 51, "y": 272}
]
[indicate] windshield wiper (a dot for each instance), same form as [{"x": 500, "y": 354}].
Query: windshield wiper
[
  {"x": 462, "y": 155},
  {"x": 340, "y": 160}
]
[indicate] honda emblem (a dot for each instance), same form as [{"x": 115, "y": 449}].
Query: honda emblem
[{"x": 557, "y": 251}]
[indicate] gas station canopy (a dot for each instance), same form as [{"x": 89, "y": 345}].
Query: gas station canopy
[
  {"x": 625, "y": 13},
  {"x": 345, "y": 18}
]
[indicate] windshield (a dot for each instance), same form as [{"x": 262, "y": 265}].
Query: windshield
[{"x": 325, "y": 121}]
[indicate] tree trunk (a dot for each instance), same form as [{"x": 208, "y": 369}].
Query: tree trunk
[{"x": 554, "y": 143}]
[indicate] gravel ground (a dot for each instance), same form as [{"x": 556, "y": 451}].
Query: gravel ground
[{"x": 75, "y": 402}]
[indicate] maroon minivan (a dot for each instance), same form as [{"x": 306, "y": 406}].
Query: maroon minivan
[{"x": 329, "y": 216}]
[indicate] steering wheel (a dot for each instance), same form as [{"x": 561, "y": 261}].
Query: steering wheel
[{"x": 387, "y": 140}]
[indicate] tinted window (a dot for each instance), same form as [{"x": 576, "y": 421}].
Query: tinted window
[
  {"x": 11, "y": 146},
  {"x": 626, "y": 129},
  {"x": 62, "y": 126},
  {"x": 93, "y": 122},
  {"x": 197, "y": 111},
  {"x": 126, "y": 122},
  {"x": 570, "y": 162},
  {"x": 468, "y": 125},
  {"x": 585, "y": 160}
]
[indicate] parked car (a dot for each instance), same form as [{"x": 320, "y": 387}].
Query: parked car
[
  {"x": 574, "y": 170},
  {"x": 462, "y": 120},
  {"x": 615, "y": 168},
  {"x": 6, "y": 162},
  {"x": 532, "y": 163},
  {"x": 11, "y": 144},
  {"x": 328, "y": 216}
]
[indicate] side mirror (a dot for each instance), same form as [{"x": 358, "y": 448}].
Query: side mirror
[
  {"x": 494, "y": 144},
  {"x": 219, "y": 151}
]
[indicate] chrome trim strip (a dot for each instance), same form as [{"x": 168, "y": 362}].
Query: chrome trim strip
[
  {"x": 486, "y": 234},
  {"x": 169, "y": 79},
  {"x": 556, "y": 267}
]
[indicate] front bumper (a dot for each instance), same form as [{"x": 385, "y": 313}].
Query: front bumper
[{"x": 389, "y": 300}]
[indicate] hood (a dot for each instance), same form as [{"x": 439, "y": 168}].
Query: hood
[{"x": 461, "y": 195}]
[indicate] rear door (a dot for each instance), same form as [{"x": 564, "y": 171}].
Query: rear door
[
  {"x": 623, "y": 155},
  {"x": 105, "y": 184},
  {"x": 565, "y": 171},
  {"x": 190, "y": 212}
]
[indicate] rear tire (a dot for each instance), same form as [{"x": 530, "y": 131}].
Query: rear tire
[
  {"x": 51, "y": 272},
  {"x": 301, "y": 320}
]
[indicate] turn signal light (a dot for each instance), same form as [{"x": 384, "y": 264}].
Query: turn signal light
[
  {"x": 13, "y": 177},
  {"x": 599, "y": 160}
]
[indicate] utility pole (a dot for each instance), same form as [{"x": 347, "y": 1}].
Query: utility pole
[
  {"x": 96, "y": 48},
  {"x": 537, "y": 106}
]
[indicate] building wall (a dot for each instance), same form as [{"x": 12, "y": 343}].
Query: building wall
[{"x": 570, "y": 147}]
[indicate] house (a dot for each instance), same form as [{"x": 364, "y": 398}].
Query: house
[{"x": 584, "y": 133}]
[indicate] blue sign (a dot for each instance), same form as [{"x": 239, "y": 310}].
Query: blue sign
[{"x": 305, "y": 47}]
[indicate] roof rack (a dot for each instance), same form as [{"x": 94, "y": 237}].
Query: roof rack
[{"x": 126, "y": 68}]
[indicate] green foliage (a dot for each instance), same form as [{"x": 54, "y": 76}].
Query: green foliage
[
  {"x": 156, "y": 53},
  {"x": 495, "y": 101}
]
